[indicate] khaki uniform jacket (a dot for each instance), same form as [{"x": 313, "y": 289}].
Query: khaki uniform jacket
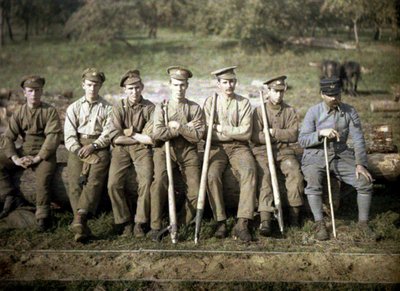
[
  {"x": 126, "y": 115},
  {"x": 183, "y": 112},
  {"x": 283, "y": 119},
  {"x": 40, "y": 129},
  {"x": 235, "y": 117}
]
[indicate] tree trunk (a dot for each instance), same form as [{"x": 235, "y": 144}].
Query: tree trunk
[
  {"x": 355, "y": 29},
  {"x": 26, "y": 21},
  {"x": 1, "y": 27},
  {"x": 10, "y": 32},
  {"x": 378, "y": 32}
]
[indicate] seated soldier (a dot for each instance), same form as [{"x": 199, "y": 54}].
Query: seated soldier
[
  {"x": 334, "y": 120},
  {"x": 86, "y": 132},
  {"x": 185, "y": 128},
  {"x": 283, "y": 129},
  {"x": 39, "y": 126},
  {"x": 132, "y": 122}
]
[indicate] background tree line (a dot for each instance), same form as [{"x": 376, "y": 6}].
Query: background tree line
[{"x": 255, "y": 23}]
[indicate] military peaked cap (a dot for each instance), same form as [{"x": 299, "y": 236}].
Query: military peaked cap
[
  {"x": 277, "y": 83},
  {"x": 32, "y": 81},
  {"x": 130, "y": 77},
  {"x": 94, "y": 75},
  {"x": 330, "y": 86},
  {"x": 225, "y": 73},
  {"x": 180, "y": 73}
]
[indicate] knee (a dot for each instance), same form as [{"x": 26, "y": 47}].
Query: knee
[{"x": 363, "y": 185}]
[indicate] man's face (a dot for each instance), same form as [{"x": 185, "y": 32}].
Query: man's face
[
  {"x": 178, "y": 89},
  {"x": 227, "y": 86},
  {"x": 33, "y": 96},
  {"x": 91, "y": 88},
  {"x": 275, "y": 96},
  {"x": 134, "y": 92},
  {"x": 331, "y": 101}
]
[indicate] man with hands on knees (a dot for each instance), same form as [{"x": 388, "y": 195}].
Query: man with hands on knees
[
  {"x": 39, "y": 126},
  {"x": 336, "y": 121},
  {"x": 86, "y": 133}
]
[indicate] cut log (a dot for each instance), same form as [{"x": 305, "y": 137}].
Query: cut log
[
  {"x": 384, "y": 166},
  {"x": 385, "y": 106},
  {"x": 320, "y": 42},
  {"x": 379, "y": 139}
]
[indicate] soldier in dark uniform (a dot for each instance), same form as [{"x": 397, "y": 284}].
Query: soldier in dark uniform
[
  {"x": 335, "y": 120},
  {"x": 39, "y": 126},
  {"x": 87, "y": 138},
  {"x": 184, "y": 130},
  {"x": 132, "y": 125},
  {"x": 284, "y": 129}
]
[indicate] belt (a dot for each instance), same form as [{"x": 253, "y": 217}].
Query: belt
[{"x": 88, "y": 136}]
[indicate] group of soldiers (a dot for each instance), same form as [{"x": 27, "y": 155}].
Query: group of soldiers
[{"x": 137, "y": 131}]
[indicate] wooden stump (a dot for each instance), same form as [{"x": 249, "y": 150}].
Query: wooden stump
[{"x": 385, "y": 106}]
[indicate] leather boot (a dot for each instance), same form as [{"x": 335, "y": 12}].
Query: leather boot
[
  {"x": 43, "y": 224},
  {"x": 265, "y": 225},
  {"x": 138, "y": 231},
  {"x": 366, "y": 231},
  {"x": 294, "y": 215},
  {"x": 79, "y": 225},
  {"x": 127, "y": 232},
  {"x": 221, "y": 231},
  {"x": 11, "y": 202},
  {"x": 321, "y": 233},
  {"x": 153, "y": 234},
  {"x": 241, "y": 230}
]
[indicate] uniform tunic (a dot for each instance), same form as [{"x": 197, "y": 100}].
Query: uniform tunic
[
  {"x": 283, "y": 119},
  {"x": 140, "y": 118},
  {"x": 40, "y": 129},
  {"x": 183, "y": 144},
  {"x": 231, "y": 146},
  {"x": 86, "y": 123},
  {"x": 342, "y": 159}
]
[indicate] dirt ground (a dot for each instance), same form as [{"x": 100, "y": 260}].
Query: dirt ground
[{"x": 153, "y": 265}]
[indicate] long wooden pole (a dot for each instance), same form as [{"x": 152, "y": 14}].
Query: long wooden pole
[
  {"x": 271, "y": 165},
  {"x": 173, "y": 225},
  {"x": 328, "y": 177},
  {"x": 203, "y": 181}
]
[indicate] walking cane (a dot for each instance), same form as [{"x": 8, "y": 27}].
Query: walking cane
[
  {"x": 328, "y": 177},
  {"x": 173, "y": 225},
  {"x": 271, "y": 165},
  {"x": 203, "y": 180}
]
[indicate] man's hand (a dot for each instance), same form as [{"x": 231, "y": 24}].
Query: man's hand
[
  {"x": 174, "y": 125},
  {"x": 218, "y": 128},
  {"x": 195, "y": 123},
  {"x": 23, "y": 162},
  {"x": 34, "y": 159},
  {"x": 85, "y": 151},
  {"x": 363, "y": 171},
  {"x": 329, "y": 133}
]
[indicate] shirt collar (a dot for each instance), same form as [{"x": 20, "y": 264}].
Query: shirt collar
[{"x": 130, "y": 104}]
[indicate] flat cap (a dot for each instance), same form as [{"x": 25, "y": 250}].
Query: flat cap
[
  {"x": 130, "y": 77},
  {"x": 94, "y": 75},
  {"x": 180, "y": 73},
  {"x": 277, "y": 83},
  {"x": 225, "y": 73},
  {"x": 330, "y": 86},
  {"x": 32, "y": 81}
]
